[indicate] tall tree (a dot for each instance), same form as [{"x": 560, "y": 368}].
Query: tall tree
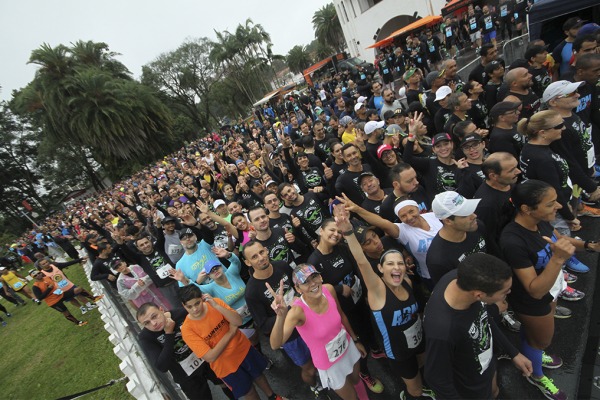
[
  {"x": 328, "y": 29},
  {"x": 298, "y": 59},
  {"x": 83, "y": 96}
]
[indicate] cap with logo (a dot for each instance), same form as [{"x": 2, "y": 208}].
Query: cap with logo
[
  {"x": 361, "y": 233},
  {"x": 440, "y": 137},
  {"x": 364, "y": 175},
  {"x": 186, "y": 232},
  {"x": 210, "y": 264},
  {"x": 219, "y": 202},
  {"x": 394, "y": 129},
  {"x": 560, "y": 88},
  {"x": 447, "y": 204},
  {"x": 382, "y": 149},
  {"x": 471, "y": 138}
]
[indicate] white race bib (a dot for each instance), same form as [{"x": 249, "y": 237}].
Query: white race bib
[
  {"x": 63, "y": 283},
  {"x": 337, "y": 346},
  {"x": 243, "y": 311},
  {"x": 191, "y": 363},
  {"x": 163, "y": 272},
  {"x": 356, "y": 290},
  {"x": 414, "y": 334},
  {"x": 485, "y": 358},
  {"x": 18, "y": 285}
]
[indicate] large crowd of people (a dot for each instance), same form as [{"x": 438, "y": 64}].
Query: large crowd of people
[{"x": 405, "y": 217}]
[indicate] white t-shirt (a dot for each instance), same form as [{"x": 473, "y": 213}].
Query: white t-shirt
[{"x": 417, "y": 241}]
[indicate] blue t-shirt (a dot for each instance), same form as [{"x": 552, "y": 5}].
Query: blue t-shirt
[
  {"x": 565, "y": 54},
  {"x": 234, "y": 297},
  {"x": 193, "y": 264}
]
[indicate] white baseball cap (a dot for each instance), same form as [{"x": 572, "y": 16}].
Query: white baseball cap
[
  {"x": 450, "y": 203},
  {"x": 371, "y": 126},
  {"x": 361, "y": 99},
  {"x": 442, "y": 93},
  {"x": 560, "y": 88},
  {"x": 218, "y": 202},
  {"x": 357, "y": 106}
]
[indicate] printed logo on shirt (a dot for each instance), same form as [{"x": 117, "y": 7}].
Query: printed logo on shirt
[{"x": 405, "y": 315}]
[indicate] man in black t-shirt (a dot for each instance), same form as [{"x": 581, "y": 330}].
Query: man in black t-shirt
[
  {"x": 460, "y": 335},
  {"x": 375, "y": 195},
  {"x": 259, "y": 299},
  {"x": 536, "y": 57},
  {"x": 519, "y": 82},
  {"x": 495, "y": 209},
  {"x": 164, "y": 347}
]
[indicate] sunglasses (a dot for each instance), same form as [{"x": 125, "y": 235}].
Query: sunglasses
[
  {"x": 560, "y": 126},
  {"x": 566, "y": 96}
]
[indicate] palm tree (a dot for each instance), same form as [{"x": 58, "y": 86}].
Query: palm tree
[
  {"x": 328, "y": 29},
  {"x": 298, "y": 59}
]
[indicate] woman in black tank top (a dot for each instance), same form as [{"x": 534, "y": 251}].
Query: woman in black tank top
[{"x": 394, "y": 308}]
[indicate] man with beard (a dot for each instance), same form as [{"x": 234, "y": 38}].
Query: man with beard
[
  {"x": 495, "y": 209},
  {"x": 168, "y": 237},
  {"x": 279, "y": 241},
  {"x": 519, "y": 82},
  {"x": 405, "y": 186},
  {"x": 190, "y": 268}
]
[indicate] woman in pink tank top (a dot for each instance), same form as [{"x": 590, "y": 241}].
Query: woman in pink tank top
[{"x": 333, "y": 345}]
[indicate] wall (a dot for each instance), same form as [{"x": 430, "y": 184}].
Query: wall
[{"x": 359, "y": 30}]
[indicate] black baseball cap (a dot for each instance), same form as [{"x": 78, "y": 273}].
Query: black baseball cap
[
  {"x": 503, "y": 107},
  {"x": 440, "y": 137},
  {"x": 364, "y": 175},
  {"x": 186, "y": 232},
  {"x": 573, "y": 22},
  {"x": 361, "y": 233},
  {"x": 473, "y": 137}
]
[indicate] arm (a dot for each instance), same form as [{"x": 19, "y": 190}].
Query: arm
[
  {"x": 374, "y": 284},
  {"x": 388, "y": 227},
  {"x": 131, "y": 293},
  {"x": 230, "y": 315},
  {"x": 284, "y": 323},
  {"x": 231, "y": 230},
  {"x": 64, "y": 265},
  {"x": 538, "y": 285}
]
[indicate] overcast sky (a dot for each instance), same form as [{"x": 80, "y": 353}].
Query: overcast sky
[{"x": 139, "y": 30}]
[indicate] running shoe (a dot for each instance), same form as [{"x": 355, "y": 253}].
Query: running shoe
[
  {"x": 90, "y": 306},
  {"x": 574, "y": 265},
  {"x": 82, "y": 323},
  {"x": 551, "y": 361},
  {"x": 98, "y": 298},
  {"x": 37, "y": 301},
  {"x": 269, "y": 364},
  {"x": 319, "y": 391},
  {"x": 8, "y": 314},
  {"x": 570, "y": 278},
  {"x": 428, "y": 393},
  {"x": 588, "y": 211},
  {"x": 378, "y": 354},
  {"x": 570, "y": 294},
  {"x": 83, "y": 309},
  {"x": 547, "y": 387},
  {"x": 373, "y": 384},
  {"x": 509, "y": 320},
  {"x": 4, "y": 323},
  {"x": 562, "y": 312}
]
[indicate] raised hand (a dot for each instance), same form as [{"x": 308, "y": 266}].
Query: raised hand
[
  {"x": 278, "y": 304},
  {"x": 289, "y": 236},
  {"x": 562, "y": 248},
  {"x": 220, "y": 252},
  {"x": 341, "y": 216},
  {"x": 328, "y": 172}
]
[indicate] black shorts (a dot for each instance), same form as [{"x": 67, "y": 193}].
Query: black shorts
[
  {"x": 434, "y": 57},
  {"x": 60, "y": 307},
  {"x": 387, "y": 78},
  {"x": 449, "y": 43},
  {"x": 69, "y": 294},
  {"x": 538, "y": 308},
  {"x": 408, "y": 368}
]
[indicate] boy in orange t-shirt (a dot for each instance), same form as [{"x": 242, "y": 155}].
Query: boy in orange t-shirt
[{"x": 211, "y": 331}]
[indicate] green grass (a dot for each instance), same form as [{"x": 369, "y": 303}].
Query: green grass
[{"x": 44, "y": 356}]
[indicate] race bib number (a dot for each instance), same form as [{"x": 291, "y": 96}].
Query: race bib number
[
  {"x": 243, "y": 311},
  {"x": 386, "y": 71},
  {"x": 591, "y": 157},
  {"x": 485, "y": 358},
  {"x": 356, "y": 290},
  {"x": 163, "y": 272},
  {"x": 432, "y": 49},
  {"x": 448, "y": 32},
  {"x": 337, "y": 346},
  {"x": 191, "y": 364},
  {"x": 58, "y": 292},
  {"x": 516, "y": 15},
  {"x": 503, "y": 11},
  {"x": 488, "y": 24},
  {"x": 419, "y": 60},
  {"x": 363, "y": 76},
  {"x": 63, "y": 283},
  {"x": 414, "y": 334},
  {"x": 18, "y": 285}
]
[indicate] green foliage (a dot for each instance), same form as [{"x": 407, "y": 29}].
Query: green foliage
[
  {"x": 298, "y": 59},
  {"x": 83, "y": 96},
  {"x": 328, "y": 29}
]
